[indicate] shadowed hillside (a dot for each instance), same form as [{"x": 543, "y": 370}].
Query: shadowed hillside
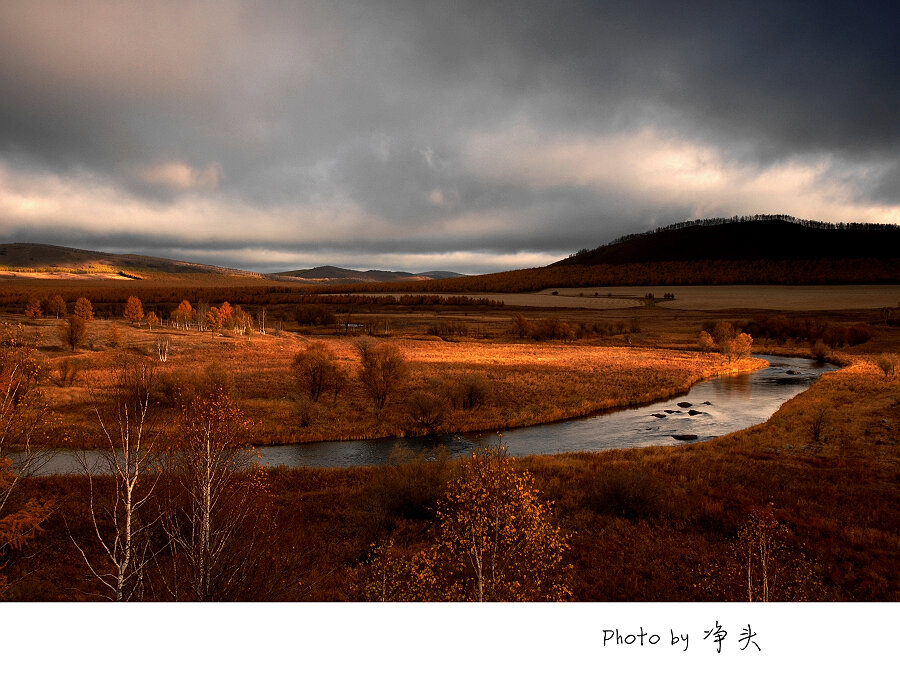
[
  {"x": 758, "y": 250},
  {"x": 767, "y": 238}
]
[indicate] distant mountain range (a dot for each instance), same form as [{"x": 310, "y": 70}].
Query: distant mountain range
[
  {"x": 331, "y": 275},
  {"x": 760, "y": 249},
  {"x": 59, "y": 261}
]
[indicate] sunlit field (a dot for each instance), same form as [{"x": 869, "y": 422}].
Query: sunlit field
[
  {"x": 818, "y": 482},
  {"x": 520, "y": 384}
]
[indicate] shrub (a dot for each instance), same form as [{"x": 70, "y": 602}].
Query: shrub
[
  {"x": 66, "y": 372},
  {"x": 316, "y": 371},
  {"x": 470, "y": 392},
  {"x": 383, "y": 370},
  {"x": 425, "y": 410},
  {"x": 113, "y": 337},
  {"x": 820, "y": 351},
  {"x": 625, "y": 492},
  {"x": 887, "y": 363},
  {"x": 73, "y": 331}
]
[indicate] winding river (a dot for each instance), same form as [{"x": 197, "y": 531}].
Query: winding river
[{"x": 711, "y": 408}]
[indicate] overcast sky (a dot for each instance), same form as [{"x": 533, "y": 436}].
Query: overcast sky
[{"x": 470, "y": 136}]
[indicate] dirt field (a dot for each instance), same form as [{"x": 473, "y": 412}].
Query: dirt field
[{"x": 779, "y": 298}]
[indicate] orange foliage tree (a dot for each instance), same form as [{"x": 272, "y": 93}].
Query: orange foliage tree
[
  {"x": 226, "y": 316},
  {"x": 183, "y": 315},
  {"x": 497, "y": 534},
  {"x": 496, "y": 542},
  {"x": 134, "y": 311},
  {"x": 22, "y": 411},
  {"x": 83, "y": 309},
  {"x": 33, "y": 308}
]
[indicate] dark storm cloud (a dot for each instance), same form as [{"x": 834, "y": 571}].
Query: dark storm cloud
[{"x": 411, "y": 128}]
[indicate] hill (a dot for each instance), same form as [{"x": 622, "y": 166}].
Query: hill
[
  {"x": 44, "y": 260},
  {"x": 755, "y": 238},
  {"x": 760, "y": 249},
  {"x": 336, "y": 275}
]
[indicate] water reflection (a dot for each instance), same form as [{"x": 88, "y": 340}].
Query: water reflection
[{"x": 711, "y": 408}]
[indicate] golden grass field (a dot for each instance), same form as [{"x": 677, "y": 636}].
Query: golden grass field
[
  {"x": 648, "y": 524},
  {"x": 529, "y": 383}
]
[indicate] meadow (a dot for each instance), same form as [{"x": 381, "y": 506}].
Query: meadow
[{"x": 818, "y": 482}]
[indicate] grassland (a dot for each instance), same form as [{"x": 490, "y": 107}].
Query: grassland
[
  {"x": 650, "y": 524},
  {"x": 526, "y": 383}
]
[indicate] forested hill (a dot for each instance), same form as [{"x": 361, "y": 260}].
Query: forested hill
[
  {"x": 764, "y": 250},
  {"x": 766, "y": 238}
]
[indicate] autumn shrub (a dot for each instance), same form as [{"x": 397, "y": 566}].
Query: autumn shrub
[
  {"x": 316, "y": 371},
  {"x": 817, "y": 425},
  {"x": 770, "y": 568},
  {"x": 216, "y": 378},
  {"x": 820, "y": 351},
  {"x": 625, "y": 492},
  {"x": 73, "y": 331},
  {"x": 408, "y": 487},
  {"x": 858, "y": 334},
  {"x": 425, "y": 410},
  {"x": 383, "y": 370},
  {"x": 469, "y": 392},
  {"x": 113, "y": 337},
  {"x": 33, "y": 308},
  {"x": 887, "y": 363},
  {"x": 66, "y": 372},
  {"x": 498, "y": 542},
  {"x": 176, "y": 388}
]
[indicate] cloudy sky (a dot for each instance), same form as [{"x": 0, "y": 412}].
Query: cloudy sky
[{"x": 471, "y": 136}]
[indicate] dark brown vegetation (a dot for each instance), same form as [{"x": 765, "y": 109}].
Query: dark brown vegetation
[
  {"x": 648, "y": 524},
  {"x": 815, "y": 488}
]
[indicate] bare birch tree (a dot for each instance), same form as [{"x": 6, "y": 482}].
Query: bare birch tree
[
  {"x": 214, "y": 502},
  {"x": 127, "y": 422}
]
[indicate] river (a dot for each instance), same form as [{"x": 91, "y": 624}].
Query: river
[{"x": 711, "y": 408}]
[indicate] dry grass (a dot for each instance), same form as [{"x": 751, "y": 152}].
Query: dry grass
[
  {"x": 651, "y": 524},
  {"x": 527, "y": 383}
]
